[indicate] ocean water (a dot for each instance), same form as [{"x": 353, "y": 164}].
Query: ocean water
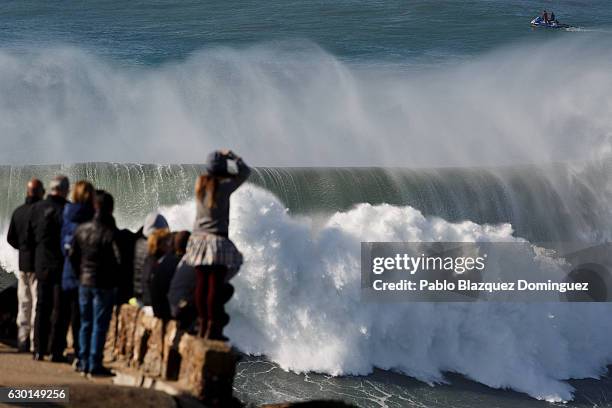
[
  {"x": 421, "y": 32},
  {"x": 379, "y": 120}
]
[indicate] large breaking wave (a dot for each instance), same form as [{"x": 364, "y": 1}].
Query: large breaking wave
[
  {"x": 298, "y": 302},
  {"x": 297, "y": 298}
]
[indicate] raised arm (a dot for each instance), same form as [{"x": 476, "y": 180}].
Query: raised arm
[{"x": 244, "y": 171}]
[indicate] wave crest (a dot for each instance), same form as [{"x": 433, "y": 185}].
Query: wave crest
[{"x": 298, "y": 302}]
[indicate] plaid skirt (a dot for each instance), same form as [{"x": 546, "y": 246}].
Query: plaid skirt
[{"x": 209, "y": 249}]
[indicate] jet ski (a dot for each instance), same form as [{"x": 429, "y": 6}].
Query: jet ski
[{"x": 539, "y": 22}]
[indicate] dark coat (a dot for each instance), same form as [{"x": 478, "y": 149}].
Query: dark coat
[
  {"x": 74, "y": 214},
  {"x": 157, "y": 276},
  {"x": 182, "y": 287},
  {"x": 95, "y": 254},
  {"x": 141, "y": 251},
  {"x": 18, "y": 236},
  {"x": 45, "y": 230},
  {"x": 126, "y": 240}
]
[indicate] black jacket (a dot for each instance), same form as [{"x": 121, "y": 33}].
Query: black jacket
[
  {"x": 182, "y": 287},
  {"x": 95, "y": 254},
  {"x": 156, "y": 277},
  {"x": 126, "y": 240},
  {"x": 45, "y": 231},
  {"x": 141, "y": 251},
  {"x": 18, "y": 237}
]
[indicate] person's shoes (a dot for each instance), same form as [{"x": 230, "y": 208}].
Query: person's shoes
[
  {"x": 59, "y": 358},
  {"x": 217, "y": 337},
  {"x": 23, "y": 347},
  {"x": 214, "y": 331},
  {"x": 38, "y": 357},
  {"x": 100, "y": 372}
]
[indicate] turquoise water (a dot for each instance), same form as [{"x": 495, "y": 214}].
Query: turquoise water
[{"x": 421, "y": 32}]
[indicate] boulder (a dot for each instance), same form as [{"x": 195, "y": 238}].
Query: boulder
[
  {"x": 148, "y": 337},
  {"x": 171, "y": 356},
  {"x": 111, "y": 337},
  {"x": 153, "y": 356},
  {"x": 207, "y": 369},
  {"x": 158, "y": 350},
  {"x": 126, "y": 326}
]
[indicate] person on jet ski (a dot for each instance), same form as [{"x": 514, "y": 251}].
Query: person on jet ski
[
  {"x": 545, "y": 16},
  {"x": 552, "y": 17}
]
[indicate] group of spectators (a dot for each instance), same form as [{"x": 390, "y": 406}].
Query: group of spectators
[{"x": 75, "y": 265}]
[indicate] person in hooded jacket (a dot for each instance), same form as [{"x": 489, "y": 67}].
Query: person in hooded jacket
[
  {"x": 153, "y": 222},
  {"x": 158, "y": 272},
  {"x": 80, "y": 210}
]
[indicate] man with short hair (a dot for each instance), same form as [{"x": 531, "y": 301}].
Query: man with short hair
[
  {"x": 17, "y": 237},
  {"x": 45, "y": 230},
  {"x": 96, "y": 259}
]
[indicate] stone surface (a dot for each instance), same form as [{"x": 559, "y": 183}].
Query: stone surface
[
  {"x": 207, "y": 368},
  {"x": 153, "y": 355},
  {"x": 126, "y": 325},
  {"x": 142, "y": 332},
  {"x": 111, "y": 337},
  {"x": 171, "y": 356},
  {"x": 158, "y": 350}
]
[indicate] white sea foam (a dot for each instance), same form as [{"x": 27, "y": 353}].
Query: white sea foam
[
  {"x": 9, "y": 258},
  {"x": 297, "y": 301}
]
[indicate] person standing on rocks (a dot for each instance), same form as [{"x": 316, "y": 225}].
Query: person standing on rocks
[
  {"x": 210, "y": 251},
  {"x": 17, "y": 237}
]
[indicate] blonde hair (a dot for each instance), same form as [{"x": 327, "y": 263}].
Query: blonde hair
[
  {"x": 83, "y": 192},
  {"x": 156, "y": 240},
  {"x": 206, "y": 186}
]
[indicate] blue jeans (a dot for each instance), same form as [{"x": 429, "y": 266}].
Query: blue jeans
[{"x": 96, "y": 307}]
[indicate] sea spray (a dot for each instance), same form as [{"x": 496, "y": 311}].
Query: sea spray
[
  {"x": 293, "y": 104},
  {"x": 297, "y": 302}
]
